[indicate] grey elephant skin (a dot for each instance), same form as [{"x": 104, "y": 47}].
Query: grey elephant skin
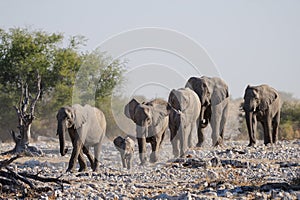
[
  {"x": 214, "y": 97},
  {"x": 126, "y": 148},
  {"x": 262, "y": 104},
  {"x": 184, "y": 110},
  {"x": 151, "y": 119},
  {"x": 86, "y": 126}
]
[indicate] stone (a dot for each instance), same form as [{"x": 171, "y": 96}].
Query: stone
[{"x": 211, "y": 175}]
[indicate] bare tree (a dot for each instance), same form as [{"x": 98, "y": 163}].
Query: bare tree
[{"x": 25, "y": 119}]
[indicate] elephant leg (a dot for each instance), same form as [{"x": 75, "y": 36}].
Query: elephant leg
[
  {"x": 254, "y": 128},
  {"x": 155, "y": 148},
  {"x": 200, "y": 134},
  {"x": 129, "y": 161},
  {"x": 77, "y": 147},
  {"x": 175, "y": 142},
  {"x": 123, "y": 161},
  {"x": 193, "y": 130},
  {"x": 215, "y": 125},
  {"x": 82, "y": 162},
  {"x": 275, "y": 127},
  {"x": 175, "y": 146},
  {"x": 142, "y": 149},
  {"x": 267, "y": 131},
  {"x": 87, "y": 152},
  {"x": 162, "y": 138},
  {"x": 184, "y": 135},
  {"x": 223, "y": 122},
  {"x": 97, "y": 150}
]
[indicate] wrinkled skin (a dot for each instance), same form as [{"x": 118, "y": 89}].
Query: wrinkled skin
[
  {"x": 151, "y": 119},
  {"x": 126, "y": 148},
  {"x": 262, "y": 104},
  {"x": 86, "y": 127},
  {"x": 184, "y": 110},
  {"x": 214, "y": 98}
]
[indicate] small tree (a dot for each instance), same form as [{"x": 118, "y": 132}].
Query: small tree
[{"x": 25, "y": 118}]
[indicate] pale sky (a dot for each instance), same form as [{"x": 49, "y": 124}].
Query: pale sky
[{"x": 250, "y": 42}]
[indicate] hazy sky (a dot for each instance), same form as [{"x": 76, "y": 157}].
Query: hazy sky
[{"x": 251, "y": 42}]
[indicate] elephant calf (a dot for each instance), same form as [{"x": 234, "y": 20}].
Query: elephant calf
[{"x": 126, "y": 148}]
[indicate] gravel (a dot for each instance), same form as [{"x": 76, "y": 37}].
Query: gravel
[{"x": 231, "y": 172}]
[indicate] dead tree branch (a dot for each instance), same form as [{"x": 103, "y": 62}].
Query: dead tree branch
[
  {"x": 6, "y": 162},
  {"x": 21, "y": 178},
  {"x": 44, "y": 179}
]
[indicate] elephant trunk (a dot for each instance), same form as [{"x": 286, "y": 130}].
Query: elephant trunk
[
  {"x": 249, "y": 121},
  {"x": 182, "y": 136},
  {"x": 141, "y": 132},
  {"x": 61, "y": 129},
  {"x": 203, "y": 121}
]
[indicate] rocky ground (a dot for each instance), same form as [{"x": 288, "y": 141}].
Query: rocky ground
[{"x": 232, "y": 172}]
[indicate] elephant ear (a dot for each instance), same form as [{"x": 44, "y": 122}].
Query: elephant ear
[
  {"x": 185, "y": 101},
  {"x": 80, "y": 115},
  {"x": 267, "y": 96},
  {"x": 173, "y": 101},
  {"x": 220, "y": 92},
  {"x": 158, "y": 110},
  {"x": 129, "y": 109}
]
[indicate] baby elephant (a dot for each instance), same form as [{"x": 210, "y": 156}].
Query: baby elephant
[{"x": 126, "y": 148}]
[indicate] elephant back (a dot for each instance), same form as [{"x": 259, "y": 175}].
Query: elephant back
[
  {"x": 96, "y": 124},
  {"x": 186, "y": 101}
]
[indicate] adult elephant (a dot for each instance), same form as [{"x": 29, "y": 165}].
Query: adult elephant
[
  {"x": 214, "y": 98},
  {"x": 184, "y": 110},
  {"x": 151, "y": 119},
  {"x": 86, "y": 126},
  {"x": 262, "y": 103}
]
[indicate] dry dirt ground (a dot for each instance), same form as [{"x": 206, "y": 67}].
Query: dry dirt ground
[{"x": 231, "y": 172}]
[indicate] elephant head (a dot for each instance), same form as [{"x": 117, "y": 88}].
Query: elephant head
[
  {"x": 119, "y": 142},
  {"x": 211, "y": 92},
  {"x": 68, "y": 118},
  {"x": 258, "y": 98},
  {"x": 201, "y": 87},
  {"x": 141, "y": 114}
]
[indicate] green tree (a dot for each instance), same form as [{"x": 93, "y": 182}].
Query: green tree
[
  {"x": 23, "y": 52},
  {"x": 67, "y": 76},
  {"x": 290, "y": 120}
]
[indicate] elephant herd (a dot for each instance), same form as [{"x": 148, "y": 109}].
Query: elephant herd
[{"x": 203, "y": 100}]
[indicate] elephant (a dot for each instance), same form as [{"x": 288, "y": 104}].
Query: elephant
[
  {"x": 262, "y": 103},
  {"x": 151, "y": 119},
  {"x": 126, "y": 148},
  {"x": 184, "y": 111},
  {"x": 86, "y": 126},
  {"x": 214, "y": 97}
]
